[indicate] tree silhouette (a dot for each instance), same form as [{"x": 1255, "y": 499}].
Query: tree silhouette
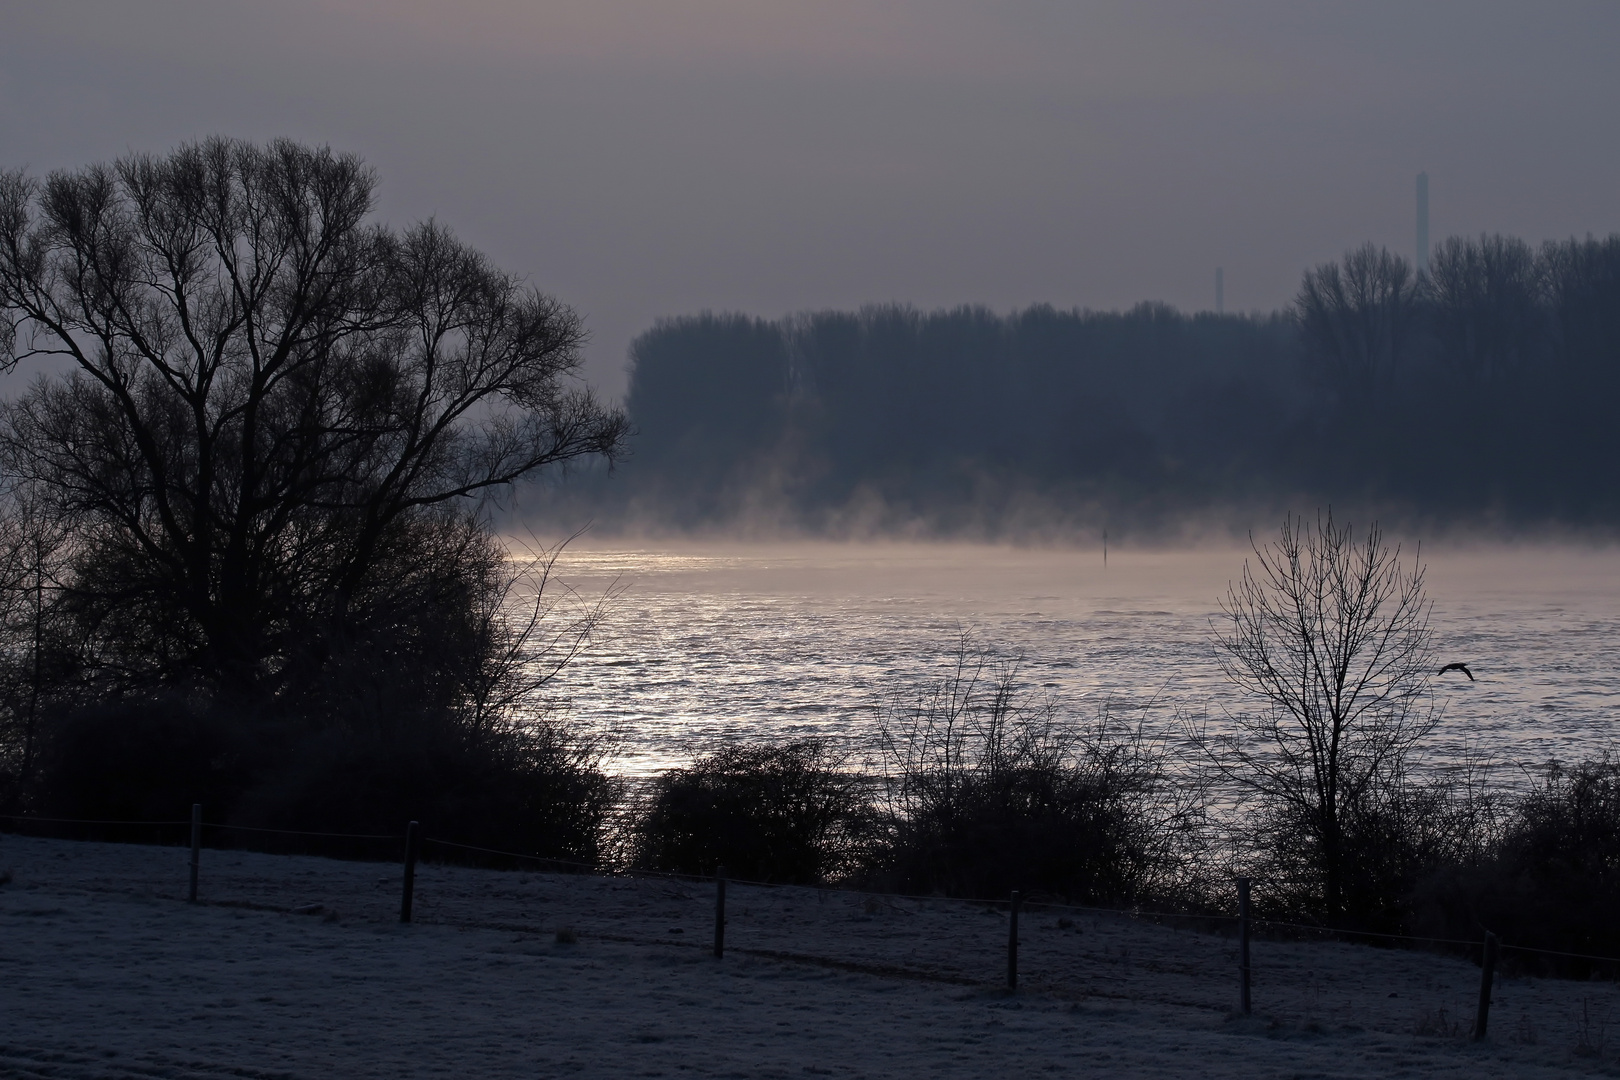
[
  {"x": 1329, "y": 635},
  {"x": 267, "y": 398}
]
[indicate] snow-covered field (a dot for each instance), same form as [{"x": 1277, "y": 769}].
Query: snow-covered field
[{"x": 297, "y": 967}]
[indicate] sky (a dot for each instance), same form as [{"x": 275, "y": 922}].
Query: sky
[{"x": 643, "y": 159}]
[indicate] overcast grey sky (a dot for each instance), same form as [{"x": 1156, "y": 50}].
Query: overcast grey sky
[{"x": 642, "y": 158}]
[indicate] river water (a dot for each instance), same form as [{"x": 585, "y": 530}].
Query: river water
[{"x": 706, "y": 643}]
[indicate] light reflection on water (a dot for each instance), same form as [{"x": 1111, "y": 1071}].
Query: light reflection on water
[{"x": 762, "y": 641}]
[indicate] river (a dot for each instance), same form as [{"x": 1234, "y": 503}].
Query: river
[{"x": 717, "y": 641}]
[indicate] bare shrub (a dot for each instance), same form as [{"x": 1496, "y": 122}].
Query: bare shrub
[
  {"x": 783, "y": 813},
  {"x": 988, "y": 791},
  {"x": 1549, "y": 879},
  {"x": 1591, "y": 1028},
  {"x": 1438, "y": 1024}
]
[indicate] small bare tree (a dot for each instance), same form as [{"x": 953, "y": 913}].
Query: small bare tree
[{"x": 1330, "y": 635}]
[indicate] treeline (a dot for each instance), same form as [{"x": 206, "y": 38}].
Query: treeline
[{"x": 1483, "y": 389}]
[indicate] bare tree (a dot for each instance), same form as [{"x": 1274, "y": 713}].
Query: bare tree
[
  {"x": 528, "y": 626},
  {"x": 1488, "y": 312},
  {"x": 1359, "y": 317},
  {"x": 1581, "y": 283},
  {"x": 1329, "y": 635},
  {"x": 266, "y": 395},
  {"x": 31, "y": 545}
]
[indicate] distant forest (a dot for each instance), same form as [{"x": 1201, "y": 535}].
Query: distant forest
[{"x": 1485, "y": 390}]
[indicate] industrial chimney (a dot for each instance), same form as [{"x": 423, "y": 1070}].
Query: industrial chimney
[
  {"x": 1220, "y": 292},
  {"x": 1423, "y": 224}
]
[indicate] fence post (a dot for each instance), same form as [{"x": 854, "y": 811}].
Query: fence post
[
  {"x": 1487, "y": 972},
  {"x": 196, "y": 847},
  {"x": 413, "y": 841},
  {"x": 719, "y": 912},
  {"x": 1012, "y": 943},
  {"x": 1243, "y": 943}
]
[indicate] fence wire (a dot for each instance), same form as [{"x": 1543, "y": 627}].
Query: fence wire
[{"x": 596, "y": 870}]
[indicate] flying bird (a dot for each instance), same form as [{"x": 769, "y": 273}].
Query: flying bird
[{"x": 1457, "y": 667}]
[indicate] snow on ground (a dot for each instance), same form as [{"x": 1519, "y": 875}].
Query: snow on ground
[{"x": 298, "y": 967}]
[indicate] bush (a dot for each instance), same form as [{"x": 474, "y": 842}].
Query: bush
[
  {"x": 987, "y": 794},
  {"x": 534, "y": 791},
  {"x": 431, "y": 704},
  {"x": 1394, "y": 835},
  {"x": 538, "y": 788},
  {"x": 784, "y": 813},
  {"x": 1550, "y": 879},
  {"x": 142, "y": 759}
]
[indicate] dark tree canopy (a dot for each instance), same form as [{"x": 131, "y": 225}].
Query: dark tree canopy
[{"x": 269, "y": 399}]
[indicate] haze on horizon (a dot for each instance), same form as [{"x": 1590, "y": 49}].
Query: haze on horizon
[{"x": 644, "y": 160}]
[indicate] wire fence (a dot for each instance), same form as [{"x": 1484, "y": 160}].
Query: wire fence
[{"x": 408, "y": 846}]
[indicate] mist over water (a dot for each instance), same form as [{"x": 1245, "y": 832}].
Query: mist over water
[{"x": 715, "y": 641}]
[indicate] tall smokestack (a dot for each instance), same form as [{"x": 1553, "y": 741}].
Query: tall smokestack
[
  {"x": 1220, "y": 292},
  {"x": 1423, "y": 223}
]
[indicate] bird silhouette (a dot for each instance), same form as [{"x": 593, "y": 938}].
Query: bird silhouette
[{"x": 1457, "y": 667}]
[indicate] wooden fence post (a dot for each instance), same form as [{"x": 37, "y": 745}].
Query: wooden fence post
[
  {"x": 1243, "y": 943},
  {"x": 1487, "y": 972},
  {"x": 719, "y": 912},
  {"x": 196, "y": 847},
  {"x": 413, "y": 841},
  {"x": 1012, "y": 943}
]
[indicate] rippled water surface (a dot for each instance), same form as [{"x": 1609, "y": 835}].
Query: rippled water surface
[{"x": 730, "y": 641}]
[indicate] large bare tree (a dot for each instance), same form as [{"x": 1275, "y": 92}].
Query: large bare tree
[
  {"x": 1328, "y": 634},
  {"x": 266, "y": 395}
]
